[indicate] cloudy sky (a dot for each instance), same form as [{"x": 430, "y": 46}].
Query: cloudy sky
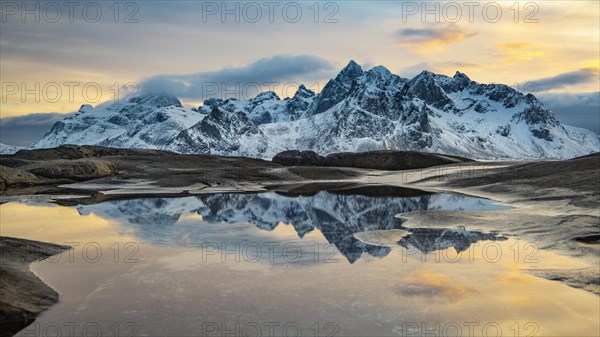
[{"x": 198, "y": 49}]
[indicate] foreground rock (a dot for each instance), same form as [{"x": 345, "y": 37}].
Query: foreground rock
[
  {"x": 299, "y": 158},
  {"x": 13, "y": 177},
  {"x": 579, "y": 175},
  {"x": 109, "y": 168},
  {"x": 23, "y": 294},
  {"x": 78, "y": 170},
  {"x": 391, "y": 160},
  {"x": 27, "y": 173},
  {"x": 162, "y": 169},
  {"x": 375, "y": 160}
]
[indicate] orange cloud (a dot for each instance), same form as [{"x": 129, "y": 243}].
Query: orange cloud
[
  {"x": 517, "y": 51},
  {"x": 432, "y": 37}
]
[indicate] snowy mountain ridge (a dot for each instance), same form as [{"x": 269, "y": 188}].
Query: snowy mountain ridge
[
  {"x": 9, "y": 149},
  {"x": 356, "y": 111}
]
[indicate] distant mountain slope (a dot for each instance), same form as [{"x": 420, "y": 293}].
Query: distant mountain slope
[
  {"x": 356, "y": 111},
  {"x": 148, "y": 121},
  {"x": 9, "y": 149}
]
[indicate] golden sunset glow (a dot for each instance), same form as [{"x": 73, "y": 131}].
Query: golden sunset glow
[
  {"x": 294, "y": 168},
  {"x": 525, "y": 45}
]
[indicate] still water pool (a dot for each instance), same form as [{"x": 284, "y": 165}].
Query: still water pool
[{"x": 270, "y": 265}]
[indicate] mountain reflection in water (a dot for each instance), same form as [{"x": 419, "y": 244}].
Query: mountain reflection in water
[
  {"x": 429, "y": 240},
  {"x": 338, "y": 216}
]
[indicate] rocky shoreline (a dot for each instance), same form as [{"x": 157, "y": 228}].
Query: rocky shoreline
[
  {"x": 24, "y": 295},
  {"x": 97, "y": 168}
]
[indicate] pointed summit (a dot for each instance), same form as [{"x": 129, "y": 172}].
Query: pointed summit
[
  {"x": 425, "y": 87},
  {"x": 351, "y": 71},
  {"x": 85, "y": 107},
  {"x": 380, "y": 70},
  {"x": 265, "y": 95},
  {"x": 336, "y": 90},
  {"x": 424, "y": 74},
  {"x": 352, "y": 65},
  {"x": 424, "y": 78},
  {"x": 462, "y": 76},
  {"x": 304, "y": 92},
  {"x": 211, "y": 102}
]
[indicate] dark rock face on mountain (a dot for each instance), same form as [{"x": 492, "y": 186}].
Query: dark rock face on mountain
[
  {"x": 424, "y": 87},
  {"x": 336, "y": 89},
  {"x": 158, "y": 101},
  {"x": 357, "y": 111},
  {"x": 266, "y": 107},
  {"x": 222, "y": 132},
  {"x": 256, "y": 109},
  {"x": 300, "y": 103}
]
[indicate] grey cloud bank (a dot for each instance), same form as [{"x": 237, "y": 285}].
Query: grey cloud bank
[
  {"x": 24, "y": 130},
  {"x": 278, "y": 69},
  {"x": 581, "y": 110},
  {"x": 581, "y": 76}
]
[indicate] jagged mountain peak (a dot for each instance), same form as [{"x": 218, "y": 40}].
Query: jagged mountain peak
[
  {"x": 156, "y": 100},
  {"x": 352, "y": 70},
  {"x": 221, "y": 115},
  {"x": 85, "y": 107},
  {"x": 425, "y": 87},
  {"x": 439, "y": 79},
  {"x": 220, "y": 132},
  {"x": 303, "y": 92},
  {"x": 380, "y": 71},
  {"x": 265, "y": 95},
  {"x": 210, "y": 102},
  {"x": 336, "y": 89},
  {"x": 461, "y": 76},
  {"x": 356, "y": 111},
  {"x": 425, "y": 74}
]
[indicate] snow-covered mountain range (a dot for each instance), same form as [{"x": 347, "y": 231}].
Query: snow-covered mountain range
[{"x": 356, "y": 111}]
